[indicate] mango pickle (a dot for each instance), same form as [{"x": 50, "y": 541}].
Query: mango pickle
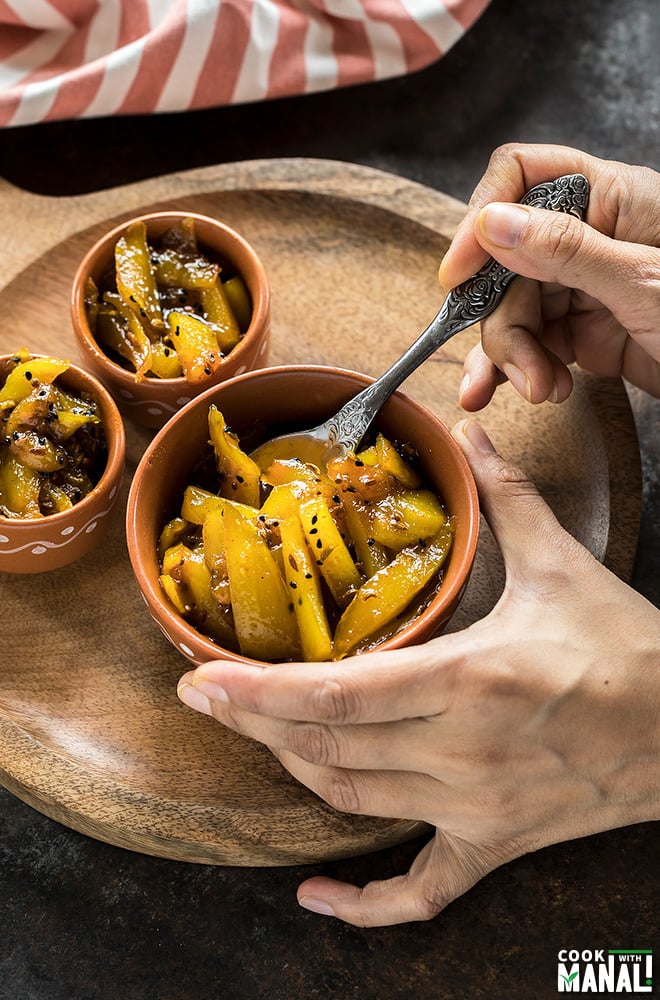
[
  {"x": 164, "y": 309},
  {"x": 136, "y": 279},
  {"x": 52, "y": 445},
  {"x": 303, "y": 563}
]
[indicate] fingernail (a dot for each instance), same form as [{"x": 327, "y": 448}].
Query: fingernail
[
  {"x": 477, "y": 437},
  {"x": 503, "y": 224},
  {"x": 520, "y": 382},
  {"x": 554, "y": 395},
  {"x": 211, "y": 690},
  {"x": 194, "y": 699},
  {"x": 316, "y": 905},
  {"x": 463, "y": 386}
]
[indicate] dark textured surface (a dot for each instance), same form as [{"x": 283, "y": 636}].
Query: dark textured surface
[{"x": 79, "y": 919}]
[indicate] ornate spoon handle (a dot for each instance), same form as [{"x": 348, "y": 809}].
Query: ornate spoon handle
[{"x": 466, "y": 304}]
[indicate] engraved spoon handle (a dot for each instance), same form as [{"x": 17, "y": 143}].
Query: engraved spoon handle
[{"x": 466, "y": 304}]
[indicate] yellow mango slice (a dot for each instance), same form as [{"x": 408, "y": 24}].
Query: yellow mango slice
[
  {"x": 19, "y": 487},
  {"x": 177, "y": 271},
  {"x": 390, "y": 591},
  {"x": 119, "y": 328},
  {"x": 195, "y": 344},
  {"x": 192, "y": 579},
  {"x": 217, "y": 310},
  {"x": 371, "y": 555},
  {"x": 389, "y": 459},
  {"x": 406, "y": 517},
  {"x": 263, "y": 611},
  {"x": 198, "y": 504},
  {"x": 330, "y": 551},
  {"x": 19, "y": 383},
  {"x": 172, "y": 533},
  {"x": 240, "y": 475},
  {"x": 303, "y": 580},
  {"x": 175, "y": 592},
  {"x": 136, "y": 278},
  {"x": 239, "y": 300},
  {"x": 165, "y": 361}
]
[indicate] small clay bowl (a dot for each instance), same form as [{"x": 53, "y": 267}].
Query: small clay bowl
[
  {"x": 152, "y": 401},
  {"x": 35, "y": 545},
  {"x": 257, "y": 406}
]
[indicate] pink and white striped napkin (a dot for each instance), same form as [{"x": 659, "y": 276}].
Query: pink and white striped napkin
[{"x": 90, "y": 58}]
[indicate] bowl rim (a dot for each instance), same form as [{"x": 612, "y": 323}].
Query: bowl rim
[
  {"x": 83, "y": 333},
  {"x": 115, "y": 436},
  {"x": 153, "y": 596}
]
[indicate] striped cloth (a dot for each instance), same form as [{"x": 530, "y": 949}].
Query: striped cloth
[{"x": 90, "y": 58}]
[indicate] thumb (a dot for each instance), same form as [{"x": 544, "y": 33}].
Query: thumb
[
  {"x": 557, "y": 247},
  {"x": 443, "y": 870},
  {"x": 524, "y": 527}
]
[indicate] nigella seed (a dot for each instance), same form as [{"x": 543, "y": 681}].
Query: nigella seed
[
  {"x": 308, "y": 576},
  {"x": 371, "y": 541},
  {"x": 359, "y": 463},
  {"x": 319, "y": 543},
  {"x": 313, "y": 531},
  {"x": 240, "y": 479},
  {"x": 28, "y": 376},
  {"x": 315, "y": 518},
  {"x": 293, "y": 584}
]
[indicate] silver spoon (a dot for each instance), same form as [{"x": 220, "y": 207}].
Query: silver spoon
[{"x": 465, "y": 305}]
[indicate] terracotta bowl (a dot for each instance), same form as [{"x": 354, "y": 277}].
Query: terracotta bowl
[
  {"x": 152, "y": 401},
  {"x": 36, "y": 545},
  {"x": 260, "y": 405}
]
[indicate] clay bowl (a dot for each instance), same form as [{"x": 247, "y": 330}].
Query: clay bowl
[
  {"x": 152, "y": 400},
  {"x": 36, "y": 545},
  {"x": 257, "y": 406}
]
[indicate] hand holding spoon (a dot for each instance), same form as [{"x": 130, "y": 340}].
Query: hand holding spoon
[{"x": 465, "y": 305}]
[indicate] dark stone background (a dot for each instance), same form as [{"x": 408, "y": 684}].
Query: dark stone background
[{"x": 80, "y": 920}]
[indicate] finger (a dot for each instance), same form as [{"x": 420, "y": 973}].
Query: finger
[
  {"x": 527, "y": 531},
  {"x": 392, "y": 794},
  {"x": 401, "y": 746},
  {"x": 554, "y": 247},
  {"x": 513, "y": 339},
  {"x": 512, "y": 170},
  {"x": 480, "y": 380},
  {"x": 443, "y": 870},
  {"x": 381, "y": 686}
]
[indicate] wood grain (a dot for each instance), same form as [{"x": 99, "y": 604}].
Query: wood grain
[{"x": 91, "y": 732}]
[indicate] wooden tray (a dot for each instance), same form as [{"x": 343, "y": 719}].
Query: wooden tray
[{"x": 91, "y": 731}]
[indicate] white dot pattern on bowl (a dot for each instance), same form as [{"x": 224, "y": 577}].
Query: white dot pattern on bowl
[{"x": 67, "y": 534}]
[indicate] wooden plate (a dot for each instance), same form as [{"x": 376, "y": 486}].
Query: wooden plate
[{"x": 91, "y": 732}]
